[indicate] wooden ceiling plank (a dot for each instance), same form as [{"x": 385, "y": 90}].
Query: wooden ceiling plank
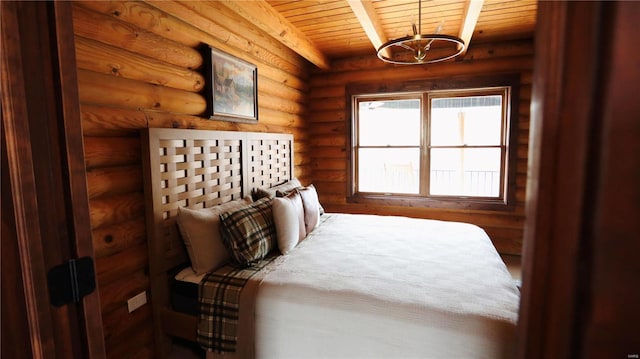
[
  {"x": 334, "y": 29},
  {"x": 323, "y": 18},
  {"x": 507, "y": 16},
  {"x": 366, "y": 14},
  {"x": 497, "y": 5},
  {"x": 397, "y": 19},
  {"x": 338, "y": 22},
  {"x": 314, "y": 11},
  {"x": 410, "y": 13},
  {"x": 265, "y": 17},
  {"x": 472, "y": 10},
  {"x": 291, "y": 7}
]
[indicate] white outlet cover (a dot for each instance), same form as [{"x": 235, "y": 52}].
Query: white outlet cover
[{"x": 136, "y": 302}]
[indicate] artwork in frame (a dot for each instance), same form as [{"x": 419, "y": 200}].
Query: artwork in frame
[{"x": 233, "y": 93}]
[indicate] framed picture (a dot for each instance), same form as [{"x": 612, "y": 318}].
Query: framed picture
[{"x": 233, "y": 93}]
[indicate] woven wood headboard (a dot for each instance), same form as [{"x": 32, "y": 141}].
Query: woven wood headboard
[{"x": 200, "y": 169}]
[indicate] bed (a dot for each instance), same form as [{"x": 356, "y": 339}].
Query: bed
[{"x": 355, "y": 286}]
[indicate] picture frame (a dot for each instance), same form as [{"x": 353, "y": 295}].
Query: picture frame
[{"x": 232, "y": 90}]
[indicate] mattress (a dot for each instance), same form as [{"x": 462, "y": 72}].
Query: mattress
[
  {"x": 379, "y": 286},
  {"x": 364, "y": 286}
]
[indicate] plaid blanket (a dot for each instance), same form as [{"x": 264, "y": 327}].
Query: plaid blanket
[{"x": 219, "y": 296}]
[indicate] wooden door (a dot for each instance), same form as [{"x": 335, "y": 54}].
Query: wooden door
[
  {"x": 582, "y": 237},
  {"x": 45, "y": 214}
]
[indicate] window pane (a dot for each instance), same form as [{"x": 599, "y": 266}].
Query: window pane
[
  {"x": 389, "y": 123},
  {"x": 393, "y": 170},
  {"x": 471, "y": 172},
  {"x": 472, "y": 120}
]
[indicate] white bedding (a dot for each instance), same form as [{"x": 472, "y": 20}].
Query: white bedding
[{"x": 390, "y": 287}]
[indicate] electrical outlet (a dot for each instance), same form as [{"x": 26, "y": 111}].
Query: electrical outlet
[{"x": 137, "y": 301}]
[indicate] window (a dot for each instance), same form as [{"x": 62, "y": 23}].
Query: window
[
  {"x": 388, "y": 157},
  {"x": 466, "y": 146},
  {"x": 445, "y": 147}
]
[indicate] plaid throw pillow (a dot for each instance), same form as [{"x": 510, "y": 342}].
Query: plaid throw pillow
[{"x": 249, "y": 233}]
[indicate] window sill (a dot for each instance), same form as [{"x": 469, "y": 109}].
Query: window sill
[{"x": 481, "y": 204}]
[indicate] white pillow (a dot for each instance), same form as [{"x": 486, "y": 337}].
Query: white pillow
[
  {"x": 311, "y": 206},
  {"x": 200, "y": 230},
  {"x": 283, "y": 188},
  {"x": 286, "y": 188},
  {"x": 288, "y": 215}
]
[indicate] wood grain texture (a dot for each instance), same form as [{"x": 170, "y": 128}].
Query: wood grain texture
[
  {"x": 146, "y": 17},
  {"x": 121, "y": 264},
  {"x": 42, "y": 136},
  {"x": 438, "y": 70},
  {"x": 111, "y": 239},
  {"x": 15, "y": 320},
  {"x": 608, "y": 332},
  {"x": 115, "y": 209},
  {"x": 262, "y": 15},
  {"x": 114, "y": 180},
  {"x": 280, "y": 105},
  {"x": 274, "y": 88},
  {"x": 111, "y": 151},
  {"x": 125, "y": 93},
  {"x": 280, "y": 123},
  {"x": 121, "y": 321},
  {"x": 483, "y": 51},
  {"x": 103, "y": 28},
  {"x": 220, "y": 27},
  {"x": 336, "y": 31},
  {"x": 115, "y": 294},
  {"x": 109, "y": 60},
  {"x": 580, "y": 268},
  {"x": 101, "y": 121},
  {"x": 136, "y": 342}
]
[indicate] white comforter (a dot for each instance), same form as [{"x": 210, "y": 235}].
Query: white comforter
[{"x": 390, "y": 287}]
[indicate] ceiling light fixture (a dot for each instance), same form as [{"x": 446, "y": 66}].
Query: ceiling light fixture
[{"x": 415, "y": 49}]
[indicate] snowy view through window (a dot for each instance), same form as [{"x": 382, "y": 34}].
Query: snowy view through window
[
  {"x": 389, "y": 153},
  {"x": 465, "y": 146}
]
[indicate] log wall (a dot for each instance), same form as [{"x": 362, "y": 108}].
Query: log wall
[
  {"x": 329, "y": 130},
  {"x": 138, "y": 67}
]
